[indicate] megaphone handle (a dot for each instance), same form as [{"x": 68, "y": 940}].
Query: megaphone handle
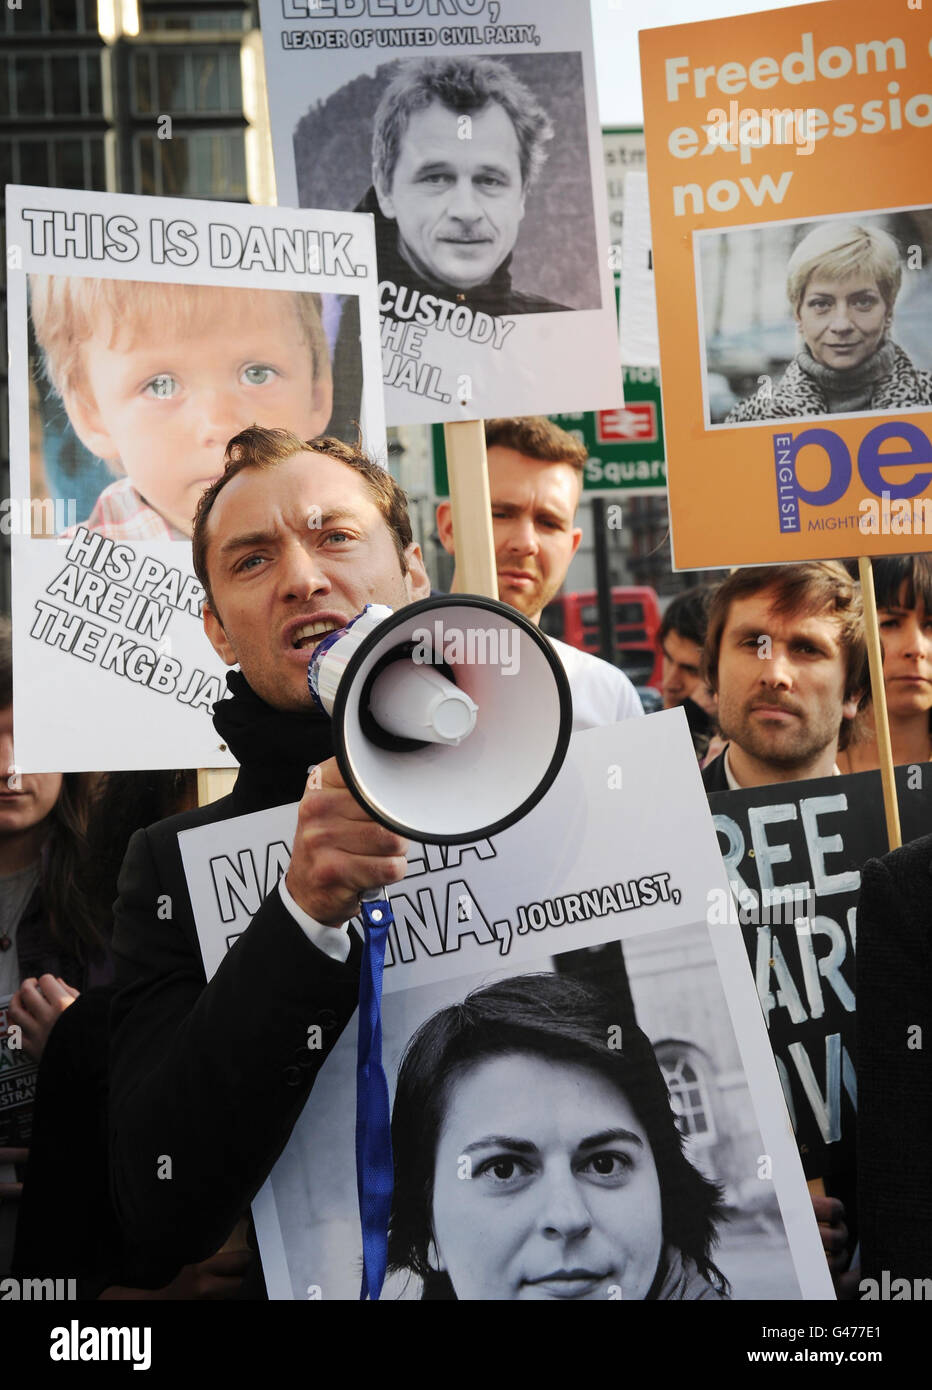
[{"x": 374, "y": 1169}]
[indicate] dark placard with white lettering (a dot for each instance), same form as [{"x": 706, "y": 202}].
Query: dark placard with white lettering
[{"x": 793, "y": 853}]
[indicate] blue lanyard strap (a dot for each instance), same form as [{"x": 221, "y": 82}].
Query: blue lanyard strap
[{"x": 374, "y": 1171}]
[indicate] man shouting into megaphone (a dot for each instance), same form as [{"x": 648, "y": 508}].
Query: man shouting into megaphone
[{"x": 290, "y": 543}]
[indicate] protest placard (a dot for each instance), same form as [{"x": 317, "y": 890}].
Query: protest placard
[
  {"x": 144, "y": 334},
  {"x": 793, "y": 298},
  {"x": 475, "y": 145},
  {"x": 602, "y": 890},
  {"x": 793, "y": 853}
]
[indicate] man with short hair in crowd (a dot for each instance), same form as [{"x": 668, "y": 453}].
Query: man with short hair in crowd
[
  {"x": 680, "y": 640},
  {"x": 457, "y": 143},
  {"x": 786, "y": 655},
  {"x": 208, "y": 1079},
  {"x": 535, "y": 482}
]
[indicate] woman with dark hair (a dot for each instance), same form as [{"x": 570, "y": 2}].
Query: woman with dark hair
[
  {"x": 903, "y": 587},
  {"x": 52, "y": 942},
  {"x": 67, "y": 1223},
  {"x": 537, "y": 1156}
]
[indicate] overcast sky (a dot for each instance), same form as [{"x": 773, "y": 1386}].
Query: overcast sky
[{"x": 615, "y": 26}]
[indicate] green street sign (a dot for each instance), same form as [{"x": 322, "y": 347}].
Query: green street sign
[{"x": 625, "y": 444}]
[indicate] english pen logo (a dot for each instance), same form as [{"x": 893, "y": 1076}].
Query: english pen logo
[{"x": 873, "y": 455}]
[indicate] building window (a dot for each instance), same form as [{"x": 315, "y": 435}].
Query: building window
[
  {"x": 45, "y": 86},
  {"x": 187, "y": 82},
  {"x": 689, "y": 1092},
  {"x": 62, "y": 162},
  {"x": 192, "y": 164},
  {"x": 51, "y": 17},
  {"x": 215, "y": 19}
]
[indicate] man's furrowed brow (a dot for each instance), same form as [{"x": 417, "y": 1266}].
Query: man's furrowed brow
[
  {"x": 245, "y": 541},
  {"x": 337, "y": 514}
]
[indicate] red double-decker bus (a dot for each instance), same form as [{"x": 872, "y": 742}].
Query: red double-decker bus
[{"x": 574, "y": 618}]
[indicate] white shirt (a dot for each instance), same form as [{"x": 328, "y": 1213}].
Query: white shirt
[
  {"x": 736, "y": 786},
  {"x": 333, "y": 941},
  {"x": 601, "y": 693}
]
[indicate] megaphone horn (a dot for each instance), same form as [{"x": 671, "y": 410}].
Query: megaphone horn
[{"x": 451, "y": 716}]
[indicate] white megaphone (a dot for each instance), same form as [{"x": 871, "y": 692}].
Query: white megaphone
[{"x": 451, "y": 717}]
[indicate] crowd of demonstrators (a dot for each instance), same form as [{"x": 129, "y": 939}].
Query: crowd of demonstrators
[
  {"x": 197, "y": 1071},
  {"x": 535, "y": 483}
]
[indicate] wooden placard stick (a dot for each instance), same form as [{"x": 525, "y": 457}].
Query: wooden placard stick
[
  {"x": 468, "y": 472},
  {"x": 213, "y": 783},
  {"x": 878, "y": 696}
]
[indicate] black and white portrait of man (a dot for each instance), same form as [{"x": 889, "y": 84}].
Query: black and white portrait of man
[
  {"x": 456, "y": 145},
  {"x": 476, "y": 172}
]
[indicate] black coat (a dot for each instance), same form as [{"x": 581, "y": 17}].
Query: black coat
[
  {"x": 713, "y": 775},
  {"x": 213, "y": 1076},
  {"x": 495, "y": 297},
  {"x": 894, "y": 1063},
  {"x": 66, "y": 1227}
]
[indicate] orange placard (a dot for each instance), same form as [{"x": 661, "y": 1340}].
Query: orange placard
[{"x": 789, "y": 158}]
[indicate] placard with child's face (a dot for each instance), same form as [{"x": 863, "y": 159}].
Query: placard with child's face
[
  {"x": 144, "y": 335},
  {"x": 475, "y": 146}
]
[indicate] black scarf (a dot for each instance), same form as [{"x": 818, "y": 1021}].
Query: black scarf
[
  {"x": 274, "y": 748},
  {"x": 496, "y": 296}
]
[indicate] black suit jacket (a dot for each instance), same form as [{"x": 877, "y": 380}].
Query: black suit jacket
[
  {"x": 210, "y": 1077},
  {"x": 894, "y": 1063}
]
